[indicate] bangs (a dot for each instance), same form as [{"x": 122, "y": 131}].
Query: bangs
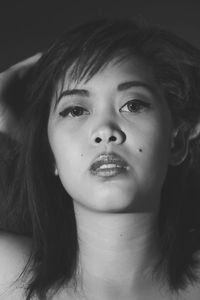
[
  {"x": 86, "y": 66},
  {"x": 83, "y": 68},
  {"x": 101, "y": 45},
  {"x": 91, "y": 52}
]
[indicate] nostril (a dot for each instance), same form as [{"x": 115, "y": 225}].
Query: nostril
[
  {"x": 112, "y": 139},
  {"x": 98, "y": 140}
]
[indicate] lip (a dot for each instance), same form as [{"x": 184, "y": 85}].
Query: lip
[{"x": 109, "y": 165}]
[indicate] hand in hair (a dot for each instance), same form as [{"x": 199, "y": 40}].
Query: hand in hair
[{"x": 13, "y": 84}]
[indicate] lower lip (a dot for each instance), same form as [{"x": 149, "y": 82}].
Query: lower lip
[{"x": 109, "y": 172}]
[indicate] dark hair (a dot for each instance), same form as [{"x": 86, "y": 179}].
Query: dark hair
[
  {"x": 8, "y": 153},
  {"x": 83, "y": 51}
]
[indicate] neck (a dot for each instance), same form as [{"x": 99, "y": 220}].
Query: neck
[{"x": 117, "y": 252}]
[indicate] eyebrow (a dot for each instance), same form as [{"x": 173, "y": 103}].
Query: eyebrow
[
  {"x": 72, "y": 92},
  {"x": 136, "y": 83},
  {"x": 121, "y": 87}
]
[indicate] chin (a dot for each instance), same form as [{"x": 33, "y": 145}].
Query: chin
[
  {"x": 114, "y": 196},
  {"x": 113, "y": 201}
]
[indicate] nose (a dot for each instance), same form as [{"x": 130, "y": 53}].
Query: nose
[{"x": 106, "y": 134}]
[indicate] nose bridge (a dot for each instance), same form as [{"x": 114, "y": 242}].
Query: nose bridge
[{"x": 108, "y": 119}]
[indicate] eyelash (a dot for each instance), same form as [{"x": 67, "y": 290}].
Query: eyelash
[
  {"x": 139, "y": 107},
  {"x": 69, "y": 110}
]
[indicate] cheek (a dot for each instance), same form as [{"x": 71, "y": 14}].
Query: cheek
[
  {"x": 68, "y": 156},
  {"x": 157, "y": 132},
  {"x": 153, "y": 150},
  {"x": 65, "y": 152}
]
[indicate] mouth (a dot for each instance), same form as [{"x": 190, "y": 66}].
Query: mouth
[{"x": 109, "y": 165}]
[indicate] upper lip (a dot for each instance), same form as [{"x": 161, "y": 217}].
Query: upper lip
[{"x": 108, "y": 158}]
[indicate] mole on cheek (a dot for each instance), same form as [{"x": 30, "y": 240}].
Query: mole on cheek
[{"x": 140, "y": 149}]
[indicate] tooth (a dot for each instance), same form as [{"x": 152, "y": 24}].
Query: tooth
[{"x": 106, "y": 166}]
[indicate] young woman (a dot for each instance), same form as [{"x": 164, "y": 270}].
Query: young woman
[{"x": 106, "y": 169}]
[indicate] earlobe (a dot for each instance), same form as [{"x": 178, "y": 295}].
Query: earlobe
[
  {"x": 56, "y": 171},
  {"x": 179, "y": 146}
]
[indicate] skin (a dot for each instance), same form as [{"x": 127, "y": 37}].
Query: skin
[{"x": 116, "y": 217}]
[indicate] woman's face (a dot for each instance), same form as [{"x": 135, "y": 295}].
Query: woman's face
[{"x": 111, "y": 138}]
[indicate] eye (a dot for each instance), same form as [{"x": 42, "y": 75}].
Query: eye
[
  {"x": 73, "y": 111},
  {"x": 135, "y": 106}
]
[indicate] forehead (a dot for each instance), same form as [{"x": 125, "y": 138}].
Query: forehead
[{"x": 117, "y": 70}]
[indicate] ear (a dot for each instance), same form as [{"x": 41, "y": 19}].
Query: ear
[
  {"x": 196, "y": 131},
  {"x": 179, "y": 145},
  {"x": 56, "y": 171}
]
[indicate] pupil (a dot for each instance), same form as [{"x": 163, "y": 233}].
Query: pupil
[
  {"x": 131, "y": 106},
  {"x": 77, "y": 111}
]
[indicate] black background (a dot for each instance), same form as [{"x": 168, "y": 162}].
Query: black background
[{"x": 27, "y": 27}]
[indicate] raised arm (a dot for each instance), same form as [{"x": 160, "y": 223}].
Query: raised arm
[{"x": 13, "y": 84}]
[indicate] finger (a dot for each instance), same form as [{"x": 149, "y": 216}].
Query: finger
[
  {"x": 26, "y": 62},
  {"x": 19, "y": 70}
]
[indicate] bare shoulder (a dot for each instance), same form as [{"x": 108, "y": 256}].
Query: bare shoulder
[
  {"x": 14, "y": 254},
  {"x": 14, "y": 251},
  {"x": 193, "y": 293},
  {"x": 194, "y": 290}
]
